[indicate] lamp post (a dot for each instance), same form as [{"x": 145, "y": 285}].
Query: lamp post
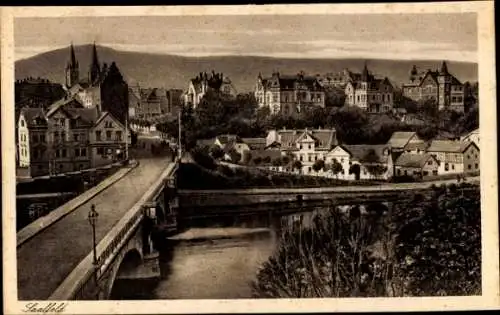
[{"x": 93, "y": 220}]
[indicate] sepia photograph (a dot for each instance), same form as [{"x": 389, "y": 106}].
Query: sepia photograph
[{"x": 248, "y": 155}]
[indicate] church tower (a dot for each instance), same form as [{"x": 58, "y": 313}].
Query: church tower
[
  {"x": 72, "y": 75},
  {"x": 95, "y": 68}
]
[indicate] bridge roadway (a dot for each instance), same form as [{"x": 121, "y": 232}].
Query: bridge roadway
[{"x": 45, "y": 260}]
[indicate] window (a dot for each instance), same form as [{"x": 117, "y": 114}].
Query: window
[
  {"x": 77, "y": 152},
  {"x": 476, "y": 165},
  {"x": 309, "y": 169},
  {"x": 300, "y": 146},
  {"x": 108, "y": 135},
  {"x": 63, "y": 153},
  {"x": 100, "y": 151},
  {"x": 341, "y": 160},
  {"x": 434, "y": 172},
  {"x": 63, "y": 136},
  {"x": 446, "y": 167},
  {"x": 301, "y": 158},
  {"x": 310, "y": 158},
  {"x": 315, "y": 157},
  {"x": 83, "y": 152},
  {"x": 118, "y": 136},
  {"x": 406, "y": 173},
  {"x": 35, "y": 138},
  {"x": 76, "y": 137},
  {"x": 98, "y": 135},
  {"x": 426, "y": 173},
  {"x": 452, "y": 166},
  {"x": 42, "y": 138},
  {"x": 108, "y": 124},
  {"x": 429, "y": 163},
  {"x": 22, "y": 122},
  {"x": 469, "y": 167},
  {"x": 309, "y": 147},
  {"x": 58, "y": 154}
]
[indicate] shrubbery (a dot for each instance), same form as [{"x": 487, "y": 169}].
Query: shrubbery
[{"x": 427, "y": 245}]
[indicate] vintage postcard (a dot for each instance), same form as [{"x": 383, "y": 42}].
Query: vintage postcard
[{"x": 270, "y": 158}]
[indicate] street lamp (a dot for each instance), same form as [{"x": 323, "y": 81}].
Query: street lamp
[{"x": 93, "y": 220}]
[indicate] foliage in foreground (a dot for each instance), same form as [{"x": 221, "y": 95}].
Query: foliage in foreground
[{"x": 427, "y": 246}]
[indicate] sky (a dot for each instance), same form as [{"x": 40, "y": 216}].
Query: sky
[{"x": 371, "y": 36}]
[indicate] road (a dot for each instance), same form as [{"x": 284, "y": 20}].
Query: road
[{"x": 44, "y": 261}]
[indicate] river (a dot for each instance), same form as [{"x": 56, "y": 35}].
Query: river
[
  {"x": 215, "y": 262},
  {"x": 214, "y": 267}
]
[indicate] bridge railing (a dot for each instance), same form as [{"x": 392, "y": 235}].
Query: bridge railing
[{"x": 79, "y": 282}]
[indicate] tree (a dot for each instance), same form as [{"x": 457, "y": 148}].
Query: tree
[
  {"x": 297, "y": 165},
  {"x": 277, "y": 161},
  {"x": 318, "y": 165},
  {"x": 216, "y": 152},
  {"x": 438, "y": 244},
  {"x": 336, "y": 167}
]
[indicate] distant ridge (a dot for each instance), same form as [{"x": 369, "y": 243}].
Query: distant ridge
[{"x": 172, "y": 71}]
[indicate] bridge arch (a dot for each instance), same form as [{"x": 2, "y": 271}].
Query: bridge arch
[{"x": 129, "y": 260}]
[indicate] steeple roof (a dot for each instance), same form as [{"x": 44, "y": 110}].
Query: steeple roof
[{"x": 444, "y": 68}]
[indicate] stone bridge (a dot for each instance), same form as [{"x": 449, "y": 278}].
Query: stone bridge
[{"x": 127, "y": 251}]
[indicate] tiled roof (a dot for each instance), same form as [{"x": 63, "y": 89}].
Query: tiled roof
[
  {"x": 255, "y": 143},
  {"x": 30, "y": 114},
  {"x": 417, "y": 145},
  {"x": 412, "y": 160},
  {"x": 448, "y": 146},
  {"x": 400, "y": 138},
  {"x": 89, "y": 115},
  {"x": 360, "y": 152},
  {"x": 325, "y": 138},
  {"x": 61, "y": 103}
]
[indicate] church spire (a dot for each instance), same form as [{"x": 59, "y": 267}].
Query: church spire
[
  {"x": 73, "y": 61},
  {"x": 95, "y": 69},
  {"x": 72, "y": 75}
]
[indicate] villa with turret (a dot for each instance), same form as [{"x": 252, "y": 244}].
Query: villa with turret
[{"x": 439, "y": 85}]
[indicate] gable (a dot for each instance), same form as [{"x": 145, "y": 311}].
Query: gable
[
  {"x": 428, "y": 80},
  {"x": 338, "y": 151},
  {"x": 108, "y": 118},
  {"x": 305, "y": 137}
]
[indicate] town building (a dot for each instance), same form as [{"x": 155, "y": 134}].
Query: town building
[
  {"x": 146, "y": 103},
  {"x": 289, "y": 94},
  {"x": 455, "y": 157},
  {"x": 104, "y": 87},
  {"x": 472, "y": 136},
  {"x": 107, "y": 140},
  {"x": 407, "y": 141},
  {"x": 339, "y": 79},
  {"x": 60, "y": 139},
  {"x": 416, "y": 165},
  {"x": 369, "y": 93},
  {"x": 364, "y": 161},
  {"x": 306, "y": 146},
  {"x": 439, "y": 85},
  {"x": 202, "y": 83}
]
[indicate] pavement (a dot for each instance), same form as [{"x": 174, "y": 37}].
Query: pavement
[
  {"x": 42, "y": 223},
  {"x": 44, "y": 261}
]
